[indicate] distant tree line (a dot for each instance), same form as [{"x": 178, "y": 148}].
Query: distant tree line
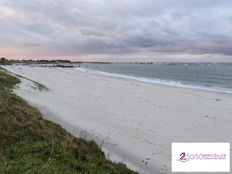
[
  {"x": 41, "y": 61},
  {"x": 4, "y": 61}
]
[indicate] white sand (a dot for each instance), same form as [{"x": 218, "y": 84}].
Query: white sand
[{"x": 138, "y": 121}]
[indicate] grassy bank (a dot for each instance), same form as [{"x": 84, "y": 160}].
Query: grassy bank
[{"x": 30, "y": 144}]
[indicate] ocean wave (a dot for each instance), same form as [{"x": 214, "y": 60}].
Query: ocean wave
[{"x": 158, "y": 81}]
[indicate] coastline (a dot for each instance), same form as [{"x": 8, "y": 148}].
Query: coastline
[
  {"x": 140, "y": 119},
  {"x": 170, "y": 83}
]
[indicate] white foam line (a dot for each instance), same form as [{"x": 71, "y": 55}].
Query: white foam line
[{"x": 158, "y": 81}]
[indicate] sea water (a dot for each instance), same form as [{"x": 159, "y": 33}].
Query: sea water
[{"x": 216, "y": 77}]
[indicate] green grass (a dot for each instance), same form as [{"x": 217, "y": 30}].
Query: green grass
[
  {"x": 7, "y": 82},
  {"x": 30, "y": 144},
  {"x": 5, "y": 63}
]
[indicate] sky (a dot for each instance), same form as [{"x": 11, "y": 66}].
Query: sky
[{"x": 117, "y": 30}]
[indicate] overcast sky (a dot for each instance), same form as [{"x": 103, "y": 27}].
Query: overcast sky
[{"x": 117, "y": 29}]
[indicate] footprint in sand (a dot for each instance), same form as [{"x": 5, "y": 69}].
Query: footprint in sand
[
  {"x": 164, "y": 168},
  {"x": 214, "y": 118},
  {"x": 146, "y": 161},
  {"x": 150, "y": 143}
]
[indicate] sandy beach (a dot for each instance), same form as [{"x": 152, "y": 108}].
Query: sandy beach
[{"x": 134, "y": 122}]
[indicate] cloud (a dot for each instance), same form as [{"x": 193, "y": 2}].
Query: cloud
[{"x": 116, "y": 28}]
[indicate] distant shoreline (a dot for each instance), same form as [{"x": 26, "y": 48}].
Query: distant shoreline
[{"x": 69, "y": 61}]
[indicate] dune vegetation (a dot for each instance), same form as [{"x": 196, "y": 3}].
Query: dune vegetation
[{"x": 31, "y": 144}]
